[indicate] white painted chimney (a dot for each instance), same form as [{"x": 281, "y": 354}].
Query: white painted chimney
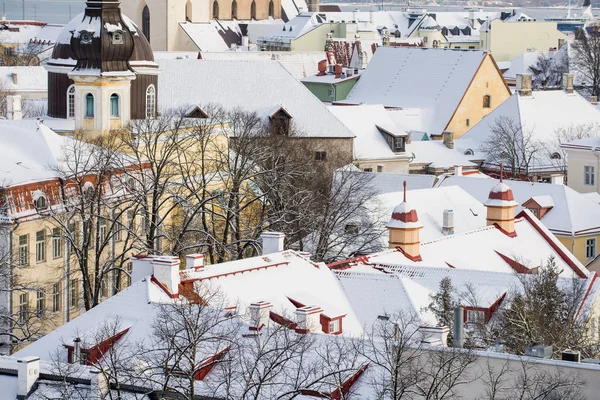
[
  {"x": 435, "y": 335},
  {"x": 272, "y": 242},
  {"x": 194, "y": 261},
  {"x": 166, "y": 271},
  {"x": 28, "y": 372},
  {"x": 524, "y": 84},
  {"x": 448, "y": 222},
  {"x": 568, "y": 83},
  {"x": 98, "y": 385},
  {"x": 141, "y": 267},
  {"x": 259, "y": 314},
  {"x": 76, "y": 351},
  {"x": 14, "y": 109},
  {"x": 245, "y": 41},
  {"x": 458, "y": 170},
  {"x": 308, "y": 319}
]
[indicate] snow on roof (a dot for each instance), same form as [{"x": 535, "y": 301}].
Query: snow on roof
[
  {"x": 433, "y": 80},
  {"x": 205, "y": 36},
  {"x": 237, "y": 84},
  {"x": 22, "y": 32},
  {"x": 29, "y": 152},
  {"x": 388, "y": 182},
  {"x": 291, "y": 8},
  {"x": 363, "y": 121},
  {"x": 28, "y": 79},
  {"x": 435, "y": 154},
  {"x": 521, "y": 64},
  {"x": 572, "y": 213},
  {"x": 294, "y": 28},
  {"x": 330, "y": 78},
  {"x": 583, "y": 144},
  {"x": 543, "y": 114},
  {"x": 545, "y": 201}
]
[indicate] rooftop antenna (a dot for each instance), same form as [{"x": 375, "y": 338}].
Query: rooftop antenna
[
  {"x": 405, "y": 191},
  {"x": 501, "y": 172}
]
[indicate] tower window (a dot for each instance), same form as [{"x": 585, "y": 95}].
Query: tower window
[
  {"x": 146, "y": 22},
  {"x": 234, "y": 10},
  {"x": 253, "y": 10},
  {"x": 271, "y": 9},
  {"x": 114, "y": 105},
  {"x": 150, "y": 102},
  {"x": 89, "y": 105},
  {"x": 117, "y": 37},
  {"x": 71, "y": 102},
  {"x": 215, "y": 10},
  {"x": 86, "y": 37}
]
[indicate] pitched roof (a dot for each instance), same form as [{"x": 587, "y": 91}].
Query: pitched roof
[
  {"x": 434, "y": 80},
  {"x": 28, "y": 79},
  {"x": 255, "y": 86},
  {"x": 572, "y": 213}
]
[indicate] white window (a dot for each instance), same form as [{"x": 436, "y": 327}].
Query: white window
[
  {"x": 23, "y": 307},
  {"x": 56, "y": 243},
  {"x": 40, "y": 203},
  {"x": 24, "y": 250},
  {"x": 150, "y": 102},
  {"x": 40, "y": 246},
  {"x": 102, "y": 232},
  {"x": 334, "y": 326},
  {"x": 398, "y": 145},
  {"x": 74, "y": 293},
  {"x": 590, "y": 248},
  {"x": 475, "y": 316},
  {"x": 71, "y": 102},
  {"x": 589, "y": 177},
  {"x": 41, "y": 301},
  {"x": 56, "y": 297}
]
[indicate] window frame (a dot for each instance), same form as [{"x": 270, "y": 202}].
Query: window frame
[
  {"x": 23, "y": 306},
  {"x": 487, "y": 101},
  {"x": 589, "y": 175},
  {"x": 151, "y": 102},
  {"x": 40, "y": 301},
  {"x": 40, "y": 246},
  {"x": 71, "y": 102},
  {"x": 320, "y": 155},
  {"x": 56, "y": 297},
  {"x": 90, "y": 105},
  {"x": 334, "y": 326},
  {"x": 73, "y": 293},
  {"x": 115, "y": 100},
  {"x": 57, "y": 243},
  {"x": 478, "y": 319},
  {"x": 24, "y": 250},
  {"x": 590, "y": 248}
]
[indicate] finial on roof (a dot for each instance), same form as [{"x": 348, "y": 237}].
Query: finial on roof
[
  {"x": 405, "y": 191},
  {"x": 501, "y": 172}
]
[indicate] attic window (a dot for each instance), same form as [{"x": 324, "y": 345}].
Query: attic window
[
  {"x": 281, "y": 122},
  {"x": 352, "y": 228},
  {"x": 398, "y": 145},
  {"x": 469, "y": 152},
  {"x": 487, "y": 101},
  {"x": 41, "y": 203},
  {"x": 555, "y": 156},
  {"x": 86, "y": 37},
  {"x": 197, "y": 113}
]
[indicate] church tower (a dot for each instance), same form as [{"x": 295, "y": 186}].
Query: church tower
[{"x": 102, "y": 72}]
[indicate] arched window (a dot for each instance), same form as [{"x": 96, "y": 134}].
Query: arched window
[
  {"x": 436, "y": 44},
  {"x": 555, "y": 156},
  {"x": 253, "y": 10},
  {"x": 150, "y": 102},
  {"x": 146, "y": 22},
  {"x": 216, "y": 9},
  {"x": 469, "y": 152},
  {"x": 114, "y": 105},
  {"x": 234, "y": 10},
  {"x": 40, "y": 203},
  {"x": 89, "y": 105},
  {"x": 271, "y": 9},
  {"x": 71, "y": 102},
  {"x": 487, "y": 101},
  {"x": 188, "y": 11}
]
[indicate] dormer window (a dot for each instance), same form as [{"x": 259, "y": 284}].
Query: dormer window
[
  {"x": 396, "y": 142},
  {"x": 398, "y": 145},
  {"x": 117, "y": 37},
  {"x": 475, "y": 316},
  {"x": 281, "y": 122},
  {"x": 41, "y": 203},
  {"x": 86, "y": 37}
]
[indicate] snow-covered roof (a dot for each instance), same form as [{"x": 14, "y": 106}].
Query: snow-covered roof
[
  {"x": 433, "y": 80},
  {"x": 24, "y": 79},
  {"x": 30, "y": 152},
  {"x": 572, "y": 212},
  {"x": 239, "y": 84},
  {"x": 294, "y": 28},
  {"x": 522, "y": 63},
  {"x": 22, "y": 32},
  {"x": 291, "y": 8},
  {"x": 543, "y": 114},
  {"x": 209, "y": 36},
  {"x": 583, "y": 144},
  {"x": 435, "y": 154},
  {"x": 388, "y": 182}
]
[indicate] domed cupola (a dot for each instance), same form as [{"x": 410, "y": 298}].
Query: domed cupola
[
  {"x": 404, "y": 229},
  {"x": 501, "y": 207},
  {"x": 102, "y": 40},
  {"x": 102, "y": 72}
]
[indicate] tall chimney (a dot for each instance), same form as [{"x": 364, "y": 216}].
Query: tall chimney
[
  {"x": 166, "y": 271},
  {"x": 314, "y": 5},
  {"x": 435, "y": 335},
  {"x": 568, "y": 83},
  {"x": 448, "y": 222},
  {"x": 458, "y": 170},
  {"x": 404, "y": 230},
  {"x": 14, "y": 108},
  {"x": 449, "y": 139},
  {"x": 259, "y": 314},
  {"x": 27, "y": 375},
  {"x": 501, "y": 207},
  {"x": 76, "y": 351},
  {"x": 524, "y": 84},
  {"x": 141, "y": 267},
  {"x": 194, "y": 261},
  {"x": 98, "y": 385},
  {"x": 272, "y": 242},
  {"x": 308, "y": 319},
  {"x": 15, "y": 78},
  {"x": 459, "y": 327}
]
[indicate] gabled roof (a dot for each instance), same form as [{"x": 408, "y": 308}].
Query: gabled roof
[
  {"x": 433, "y": 80},
  {"x": 542, "y": 113},
  {"x": 28, "y": 79},
  {"x": 572, "y": 213},
  {"x": 255, "y": 86}
]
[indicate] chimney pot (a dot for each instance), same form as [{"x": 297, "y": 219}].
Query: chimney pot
[
  {"x": 76, "y": 351},
  {"x": 524, "y": 84},
  {"x": 194, "y": 261},
  {"x": 448, "y": 222},
  {"x": 272, "y": 242},
  {"x": 166, "y": 271},
  {"x": 435, "y": 335},
  {"x": 459, "y": 329},
  {"x": 28, "y": 372},
  {"x": 14, "y": 109},
  {"x": 449, "y": 139},
  {"x": 568, "y": 83},
  {"x": 259, "y": 314},
  {"x": 593, "y": 100},
  {"x": 15, "y": 78},
  {"x": 308, "y": 319},
  {"x": 141, "y": 267},
  {"x": 458, "y": 170}
]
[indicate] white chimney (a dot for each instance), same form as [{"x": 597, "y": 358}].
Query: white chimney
[
  {"x": 141, "y": 267},
  {"x": 28, "y": 373},
  {"x": 194, "y": 261},
  {"x": 98, "y": 385},
  {"x": 568, "y": 83},
  {"x": 76, "y": 351},
  {"x": 15, "y": 78},
  {"x": 14, "y": 109},
  {"x": 308, "y": 319},
  {"x": 166, "y": 271},
  {"x": 435, "y": 335},
  {"x": 448, "y": 222},
  {"x": 245, "y": 41},
  {"x": 524, "y": 84},
  {"x": 458, "y": 170},
  {"x": 272, "y": 242},
  {"x": 372, "y": 17},
  {"x": 259, "y": 314}
]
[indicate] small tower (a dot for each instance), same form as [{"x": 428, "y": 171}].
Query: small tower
[
  {"x": 501, "y": 207},
  {"x": 404, "y": 228}
]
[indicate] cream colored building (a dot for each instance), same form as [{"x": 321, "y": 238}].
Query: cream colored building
[
  {"x": 583, "y": 158},
  {"x": 508, "y": 40}
]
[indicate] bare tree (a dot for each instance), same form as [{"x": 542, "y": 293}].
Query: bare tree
[
  {"x": 585, "y": 59},
  {"x": 511, "y": 144},
  {"x": 548, "y": 71},
  {"x": 564, "y": 135}
]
